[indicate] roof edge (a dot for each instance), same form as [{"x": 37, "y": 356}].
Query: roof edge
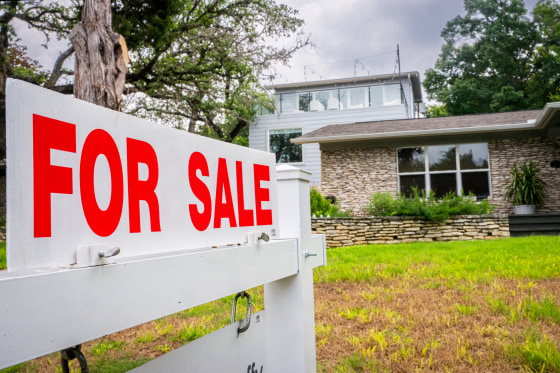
[
  {"x": 419, "y": 133},
  {"x": 404, "y": 75}
]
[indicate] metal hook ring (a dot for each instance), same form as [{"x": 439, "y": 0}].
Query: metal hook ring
[{"x": 246, "y": 322}]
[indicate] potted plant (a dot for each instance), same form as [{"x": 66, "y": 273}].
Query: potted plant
[{"x": 526, "y": 189}]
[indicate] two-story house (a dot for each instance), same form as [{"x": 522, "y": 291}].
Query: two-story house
[{"x": 301, "y": 108}]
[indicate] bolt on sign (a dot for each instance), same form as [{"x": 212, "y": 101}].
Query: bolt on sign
[{"x": 79, "y": 174}]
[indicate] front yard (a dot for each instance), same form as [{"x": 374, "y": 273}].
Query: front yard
[{"x": 488, "y": 306}]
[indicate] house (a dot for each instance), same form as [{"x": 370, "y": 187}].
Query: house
[
  {"x": 471, "y": 153},
  {"x": 301, "y": 108}
]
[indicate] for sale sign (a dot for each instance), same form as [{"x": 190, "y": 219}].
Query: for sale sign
[{"x": 81, "y": 175}]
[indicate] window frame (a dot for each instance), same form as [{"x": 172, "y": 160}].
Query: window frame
[
  {"x": 457, "y": 171},
  {"x": 281, "y": 129}
]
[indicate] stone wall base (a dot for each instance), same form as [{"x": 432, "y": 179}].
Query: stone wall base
[{"x": 396, "y": 229}]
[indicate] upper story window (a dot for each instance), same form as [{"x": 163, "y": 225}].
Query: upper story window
[
  {"x": 373, "y": 96},
  {"x": 279, "y": 143},
  {"x": 445, "y": 168}
]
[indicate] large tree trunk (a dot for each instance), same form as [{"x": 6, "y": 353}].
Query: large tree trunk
[{"x": 101, "y": 56}]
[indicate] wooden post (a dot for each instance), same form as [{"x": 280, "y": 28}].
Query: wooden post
[{"x": 101, "y": 56}]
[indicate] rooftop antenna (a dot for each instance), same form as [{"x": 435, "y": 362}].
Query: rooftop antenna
[{"x": 400, "y": 80}]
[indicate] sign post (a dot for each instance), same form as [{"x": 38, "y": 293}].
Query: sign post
[{"x": 108, "y": 213}]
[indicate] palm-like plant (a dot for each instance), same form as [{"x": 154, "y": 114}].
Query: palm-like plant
[{"x": 526, "y": 187}]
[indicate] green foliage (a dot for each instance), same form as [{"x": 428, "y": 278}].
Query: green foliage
[
  {"x": 426, "y": 207},
  {"x": 496, "y": 58},
  {"x": 525, "y": 186},
  {"x": 193, "y": 63},
  {"x": 116, "y": 365},
  {"x": 538, "y": 352},
  {"x": 382, "y": 204},
  {"x": 320, "y": 206},
  {"x": 102, "y": 347},
  {"x": 3, "y": 255},
  {"x": 433, "y": 111}
]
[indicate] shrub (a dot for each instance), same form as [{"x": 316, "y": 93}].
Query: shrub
[
  {"x": 381, "y": 204},
  {"x": 320, "y": 206},
  {"x": 426, "y": 207},
  {"x": 525, "y": 186}
]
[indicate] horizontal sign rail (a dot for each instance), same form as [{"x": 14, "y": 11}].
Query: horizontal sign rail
[{"x": 43, "y": 312}]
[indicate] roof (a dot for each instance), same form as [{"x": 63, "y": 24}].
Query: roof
[
  {"x": 441, "y": 126},
  {"x": 414, "y": 76}
]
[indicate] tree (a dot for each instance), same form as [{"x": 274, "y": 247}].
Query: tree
[
  {"x": 205, "y": 70},
  {"x": 490, "y": 60},
  {"x": 101, "y": 56},
  {"x": 433, "y": 111},
  {"x": 194, "y": 63},
  {"x": 50, "y": 19}
]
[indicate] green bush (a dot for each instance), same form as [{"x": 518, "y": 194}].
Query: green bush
[
  {"x": 320, "y": 206},
  {"x": 381, "y": 204},
  {"x": 426, "y": 207}
]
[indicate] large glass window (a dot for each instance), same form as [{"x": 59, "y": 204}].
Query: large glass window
[
  {"x": 445, "y": 168},
  {"x": 372, "y": 96},
  {"x": 279, "y": 143}
]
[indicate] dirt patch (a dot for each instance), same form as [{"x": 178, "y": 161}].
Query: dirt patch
[{"x": 406, "y": 325}]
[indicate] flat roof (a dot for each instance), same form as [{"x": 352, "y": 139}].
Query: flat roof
[
  {"x": 414, "y": 76},
  {"x": 451, "y": 125}
]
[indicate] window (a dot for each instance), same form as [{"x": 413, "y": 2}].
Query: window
[
  {"x": 385, "y": 95},
  {"x": 372, "y": 96},
  {"x": 279, "y": 143},
  {"x": 445, "y": 168}
]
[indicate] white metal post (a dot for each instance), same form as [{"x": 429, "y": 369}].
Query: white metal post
[{"x": 290, "y": 332}]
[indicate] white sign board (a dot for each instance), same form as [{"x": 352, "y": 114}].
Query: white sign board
[{"x": 81, "y": 175}]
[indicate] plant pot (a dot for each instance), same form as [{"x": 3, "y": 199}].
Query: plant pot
[{"x": 524, "y": 209}]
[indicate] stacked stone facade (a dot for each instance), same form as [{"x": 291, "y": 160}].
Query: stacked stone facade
[
  {"x": 505, "y": 153},
  {"x": 353, "y": 175},
  {"x": 362, "y": 231}
]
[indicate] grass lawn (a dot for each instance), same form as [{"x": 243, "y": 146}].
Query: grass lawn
[{"x": 488, "y": 306}]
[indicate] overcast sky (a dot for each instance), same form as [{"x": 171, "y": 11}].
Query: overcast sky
[
  {"x": 369, "y": 30},
  {"x": 343, "y": 31}
]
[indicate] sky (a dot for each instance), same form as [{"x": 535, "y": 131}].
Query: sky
[
  {"x": 370, "y": 30},
  {"x": 344, "y": 31}
]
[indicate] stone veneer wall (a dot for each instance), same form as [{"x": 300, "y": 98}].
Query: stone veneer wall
[
  {"x": 504, "y": 153},
  {"x": 361, "y": 231},
  {"x": 353, "y": 175}
]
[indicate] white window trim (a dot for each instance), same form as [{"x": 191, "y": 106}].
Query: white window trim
[
  {"x": 457, "y": 171},
  {"x": 286, "y": 128}
]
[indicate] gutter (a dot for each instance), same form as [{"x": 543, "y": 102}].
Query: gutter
[
  {"x": 417, "y": 133},
  {"x": 541, "y": 122}
]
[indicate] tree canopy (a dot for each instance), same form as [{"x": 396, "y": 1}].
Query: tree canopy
[
  {"x": 496, "y": 58},
  {"x": 197, "y": 64}
]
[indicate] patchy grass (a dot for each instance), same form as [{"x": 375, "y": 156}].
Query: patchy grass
[{"x": 489, "y": 306}]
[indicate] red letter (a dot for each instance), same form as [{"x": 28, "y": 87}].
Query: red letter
[
  {"x": 49, "y": 134},
  {"x": 200, "y": 220},
  {"x": 102, "y": 223},
  {"x": 223, "y": 210},
  {"x": 245, "y": 216},
  {"x": 262, "y": 173},
  {"x": 141, "y": 152}
]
